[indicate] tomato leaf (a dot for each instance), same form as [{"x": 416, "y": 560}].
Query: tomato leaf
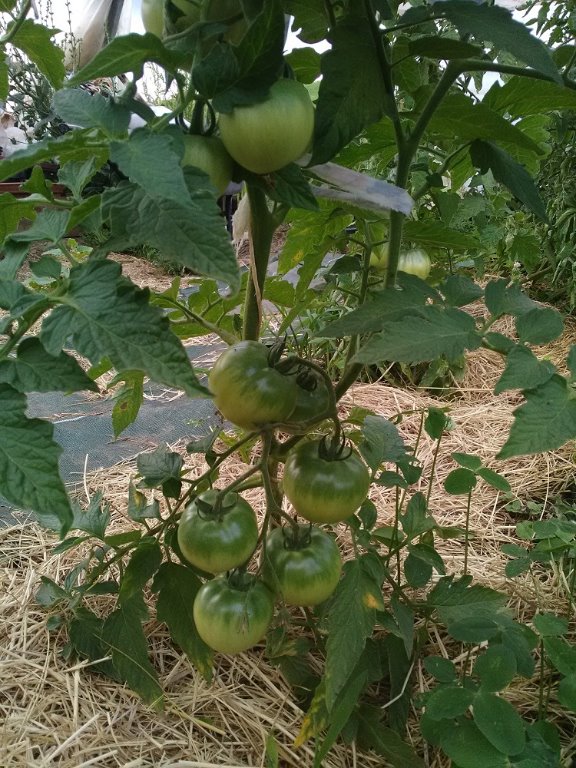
[
  {"x": 539, "y": 326},
  {"x": 345, "y": 105},
  {"x": 177, "y": 586},
  {"x": 35, "y": 40},
  {"x": 161, "y": 468},
  {"x": 503, "y": 298},
  {"x": 351, "y": 619},
  {"x": 143, "y": 564},
  {"x": 499, "y": 27},
  {"x": 123, "y": 635},
  {"x": 29, "y": 476},
  {"x": 35, "y": 370},
  {"x": 544, "y": 422},
  {"x": 521, "y": 96},
  {"x": 127, "y": 400},
  {"x": 430, "y": 333},
  {"x": 105, "y": 315},
  {"x": 189, "y": 232},
  {"x": 487, "y": 156},
  {"x": 310, "y": 20},
  {"x": 85, "y": 634},
  {"x": 381, "y": 441},
  {"x": 91, "y": 110},
  {"x": 372, "y": 734},
  {"x": 93, "y": 520},
  {"x": 436, "y": 234},
  {"x": 567, "y": 692},
  {"x": 524, "y": 371}
]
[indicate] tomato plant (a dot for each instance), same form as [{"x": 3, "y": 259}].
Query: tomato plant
[
  {"x": 232, "y": 613},
  {"x": 208, "y": 154},
  {"x": 302, "y": 565},
  {"x": 325, "y": 486},
  {"x": 217, "y": 535},
  {"x": 248, "y": 390},
  {"x": 266, "y": 136}
]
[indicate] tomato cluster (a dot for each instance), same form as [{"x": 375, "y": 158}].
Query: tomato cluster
[{"x": 325, "y": 480}]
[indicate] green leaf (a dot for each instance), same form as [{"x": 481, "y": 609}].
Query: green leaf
[
  {"x": 460, "y": 290},
  {"x": 122, "y": 634},
  {"x": 12, "y": 210},
  {"x": 351, "y": 619},
  {"x": 436, "y": 234},
  {"x": 503, "y": 298},
  {"x": 539, "y": 326},
  {"x": 448, "y": 702},
  {"x": 440, "y": 668},
  {"x": 567, "y": 692},
  {"x": 127, "y": 54},
  {"x": 436, "y": 423},
  {"x": 29, "y": 475},
  {"x": 457, "y": 599},
  {"x": 35, "y": 370},
  {"x": 561, "y": 655},
  {"x": 487, "y": 156},
  {"x": 427, "y": 554},
  {"x": 372, "y": 734},
  {"x": 546, "y": 421},
  {"x": 75, "y": 176},
  {"x": 147, "y": 156},
  {"x": 127, "y": 400},
  {"x": 288, "y": 186},
  {"x": 161, "y": 468},
  {"x": 48, "y": 225},
  {"x": 499, "y": 722},
  {"x": 418, "y": 572},
  {"x": 495, "y": 479},
  {"x": 4, "y": 83},
  {"x": 443, "y": 48},
  {"x": 240, "y": 74},
  {"x": 497, "y": 25},
  {"x": 524, "y": 370},
  {"x": 138, "y": 507},
  {"x": 416, "y": 520},
  {"x": 387, "y": 305},
  {"x": 108, "y": 316},
  {"x": 345, "y": 105},
  {"x": 310, "y": 19},
  {"x": 93, "y": 520},
  {"x": 189, "y": 232},
  {"x": 431, "y": 333},
  {"x": 35, "y": 40},
  {"x": 177, "y": 586},
  {"x": 468, "y": 747},
  {"x": 305, "y": 63},
  {"x": 468, "y": 120},
  {"x": 91, "y": 110},
  {"x": 571, "y": 361},
  {"x": 467, "y": 460},
  {"x": 460, "y": 482},
  {"x": 550, "y": 625},
  {"x": 381, "y": 442},
  {"x": 85, "y": 633},
  {"x": 521, "y": 96},
  {"x": 496, "y": 667},
  {"x": 143, "y": 564},
  {"x": 49, "y": 593}
]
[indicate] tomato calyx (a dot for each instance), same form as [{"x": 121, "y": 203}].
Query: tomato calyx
[
  {"x": 240, "y": 580},
  {"x": 215, "y": 509},
  {"x": 296, "y": 536},
  {"x": 275, "y": 353},
  {"x": 334, "y": 448}
]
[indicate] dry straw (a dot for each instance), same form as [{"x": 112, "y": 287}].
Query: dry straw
[{"x": 55, "y": 712}]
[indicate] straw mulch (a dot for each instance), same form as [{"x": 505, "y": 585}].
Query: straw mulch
[{"x": 58, "y": 713}]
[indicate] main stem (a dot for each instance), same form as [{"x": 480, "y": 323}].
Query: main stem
[{"x": 262, "y": 227}]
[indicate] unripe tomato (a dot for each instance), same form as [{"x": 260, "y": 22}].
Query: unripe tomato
[
  {"x": 153, "y": 16},
  {"x": 208, "y": 154},
  {"x": 230, "y": 617},
  {"x": 267, "y": 136},
  {"x": 415, "y": 262},
  {"x": 248, "y": 390},
  {"x": 305, "y": 570},
  {"x": 312, "y": 400},
  {"x": 218, "y": 541},
  {"x": 379, "y": 255},
  {"x": 324, "y": 490},
  {"x": 228, "y": 12}
]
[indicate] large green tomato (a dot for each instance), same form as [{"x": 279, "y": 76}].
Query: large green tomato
[
  {"x": 415, "y": 262},
  {"x": 304, "y": 571},
  {"x": 231, "y": 618},
  {"x": 267, "y": 136},
  {"x": 153, "y": 14},
  {"x": 248, "y": 390},
  {"x": 209, "y": 154},
  {"x": 324, "y": 490},
  {"x": 217, "y": 541}
]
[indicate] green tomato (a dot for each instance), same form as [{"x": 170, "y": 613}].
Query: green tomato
[
  {"x": 304, "y": 571},
  {"x": 267, "y": 136},
  {"x": 153, "y": 16},
  {"x": 324, "y": 490},
  {"x": 415, "y": 262},
  {"x": 218, "y": 542},
  {"x": 208, "y": 154},
  {"x": 379, "y": 255},
  {"x": 247, "y": 390},
  {"x": 312, "y": 400},
  {"x": 230, "y": 617}
]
